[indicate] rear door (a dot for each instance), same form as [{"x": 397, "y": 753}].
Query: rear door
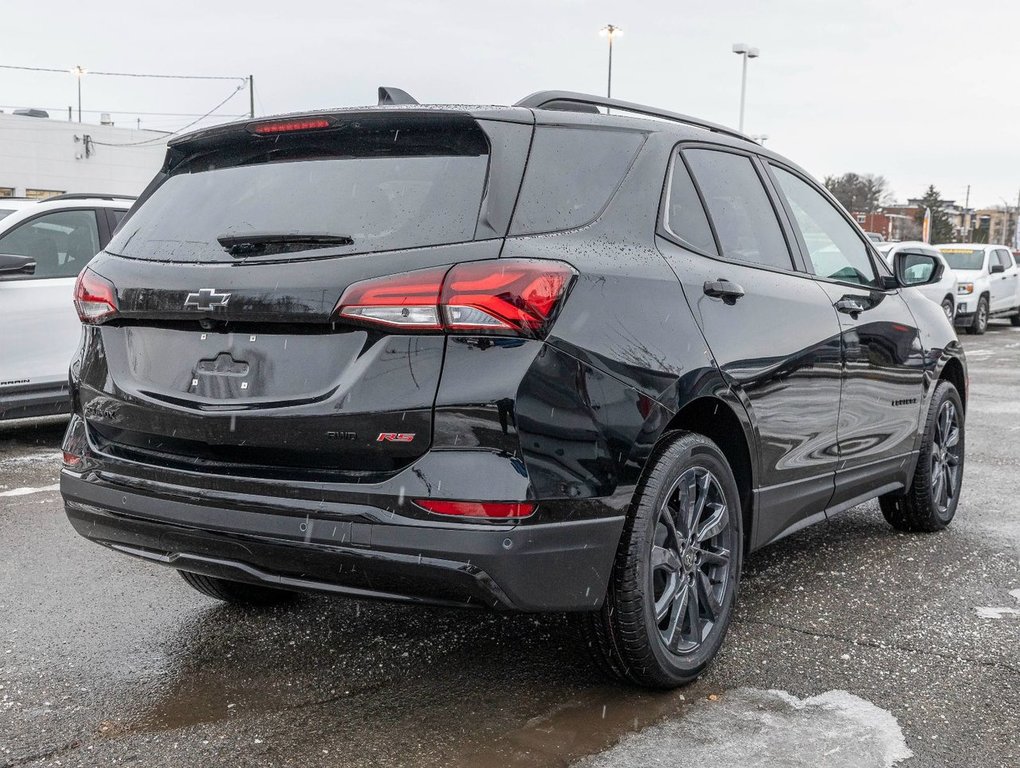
[
  {"x": 1003, "y": 284},
  {"x": 227, "y": 354},
  {"x": 40, "y": 326},
  {"x": 771, "y": 329},
  {"x": 883, "y": 361}
]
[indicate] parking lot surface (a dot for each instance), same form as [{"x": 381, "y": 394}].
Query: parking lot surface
[{"x": 853, "y": 645}]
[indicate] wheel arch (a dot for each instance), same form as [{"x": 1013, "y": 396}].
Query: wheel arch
[
  {"x": 719, "y": 421},
  {"x": 954, "y": 373}
]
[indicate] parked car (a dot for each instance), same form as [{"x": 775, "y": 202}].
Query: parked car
[
  {"x": 9, "y": 205},
  {"x": 988, "y": 284},
  {"x": 943, "y": 291},
  {"x": 43, "y": 246},
  {"x": 875, "y": 237},
  {"x": 485, "y": 356}
]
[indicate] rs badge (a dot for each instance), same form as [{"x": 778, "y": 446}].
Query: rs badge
[{"x": 395, "y": 437}]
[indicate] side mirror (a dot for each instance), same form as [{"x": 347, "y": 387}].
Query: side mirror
[
  {"x": 913, "y": 269},
  {"x": 995, "y": 269},
  {"x": 11, "y": 265}
]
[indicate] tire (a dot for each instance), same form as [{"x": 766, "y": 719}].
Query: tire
[
  {"x": 930, "y": 501},
  {"x": 694, "y": 584},
  {"x": 237, "y": 592},
  {"x": 980, "y": 322},
  {"x": 1015, "y": 320},
  {"x": 949, "y": 307}
]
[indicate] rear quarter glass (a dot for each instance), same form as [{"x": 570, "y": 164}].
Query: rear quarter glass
[
  {"x": 572, "y": 173},
  {"x": 387, "y": 187}
]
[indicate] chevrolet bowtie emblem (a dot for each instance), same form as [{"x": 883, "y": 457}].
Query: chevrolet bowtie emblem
[{"x": 207, "y": 298}]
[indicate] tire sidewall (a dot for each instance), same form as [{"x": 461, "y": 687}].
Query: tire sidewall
[
  {"x": 687, "y": 452},
  {"x": 979, "y": 325}
]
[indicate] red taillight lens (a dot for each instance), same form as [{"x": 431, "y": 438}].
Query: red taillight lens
[
  {"x": 505, "y": 296},
  {"x": 487, "y": 509},
  {"x": 410, "y": 300},
  {"x": 288, "y": 126},
  {"x": 95, "y": 298}
]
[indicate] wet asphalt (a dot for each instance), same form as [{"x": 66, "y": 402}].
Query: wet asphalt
[{"x": 109, "y": 661}]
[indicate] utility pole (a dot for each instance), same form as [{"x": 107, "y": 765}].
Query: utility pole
[{"x": 251, "y": 94}]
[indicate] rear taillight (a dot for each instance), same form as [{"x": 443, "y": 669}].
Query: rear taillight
[
  {"x": 95, "y": 298},
  {"x": 504, "y": 296},
  {"x": 491, "y": 510}
]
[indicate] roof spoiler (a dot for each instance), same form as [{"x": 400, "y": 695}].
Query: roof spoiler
[{"x": 390, "y": 95}]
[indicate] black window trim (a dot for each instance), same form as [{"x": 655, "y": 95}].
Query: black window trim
[
  {"x": 100, "y": 220},
  {"x": 796, "y": 266},
  {"x": 881, "y": 270}
]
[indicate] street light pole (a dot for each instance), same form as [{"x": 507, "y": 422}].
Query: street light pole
[
  {"x": 747, "y": 52},
  {"x": 610, "y": 31},
  {"x": 79, "y": 73}
]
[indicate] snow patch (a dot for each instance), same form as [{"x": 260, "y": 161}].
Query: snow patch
[
  {"x": 31, "y": 458},
  {"x": 27, "y": 491},
  {"x": 1000, "y": 613},
  {"x": 750, "y": 728}
]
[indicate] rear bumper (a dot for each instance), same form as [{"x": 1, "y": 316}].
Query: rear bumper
[{"x": 557, "y": 566}]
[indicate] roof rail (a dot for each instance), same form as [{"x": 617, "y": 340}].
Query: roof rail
[
  {"x": 577, "y": 102},
  {"x": 88, "y": 196}
]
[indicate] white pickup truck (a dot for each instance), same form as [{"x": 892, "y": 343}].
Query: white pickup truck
[{"x": 988, "y": 284}]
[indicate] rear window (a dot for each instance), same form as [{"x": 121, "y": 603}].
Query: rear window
[
  {"x": 5, "y": 212},
  {"x": 964, "y": 258},
  {"x": 572, "y": 173},
  {"x": 385, "y": 187}
]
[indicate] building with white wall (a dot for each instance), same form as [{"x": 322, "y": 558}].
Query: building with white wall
[{"x": 40, "y": 157}]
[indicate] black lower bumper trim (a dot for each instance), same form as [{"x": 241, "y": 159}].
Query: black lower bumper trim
[{"x": 561, "y": 566}]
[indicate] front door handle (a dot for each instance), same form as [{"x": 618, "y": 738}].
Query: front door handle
[
  {"x": 723, "y": 289},
  {"x": 850, "y": 306}
]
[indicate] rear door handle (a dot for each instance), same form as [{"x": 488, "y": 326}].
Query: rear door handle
[{"x": 723, "y": 289}]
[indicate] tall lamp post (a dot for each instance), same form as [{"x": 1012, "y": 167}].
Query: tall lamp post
[
  {"x": 610, "y": 31},
  {"x": 747, "y": 52},
  {"x": 79, "y": 72}
]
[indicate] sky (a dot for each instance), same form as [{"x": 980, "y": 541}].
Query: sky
[{"x": 921, "y": 92}]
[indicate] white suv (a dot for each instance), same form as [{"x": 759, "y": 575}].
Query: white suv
[
  {"x": 989, "y": 284},
  {"x": 942, "y": 292},
  {"x": 43, "y": 247}
]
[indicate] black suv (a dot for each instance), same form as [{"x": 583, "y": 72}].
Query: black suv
[{"x": 533, "y": 358}]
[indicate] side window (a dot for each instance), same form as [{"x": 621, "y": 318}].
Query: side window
[
  {"x": 61, "y": 242},
  {"x": 118, "y": 215},
  {"x": 834, "y": 247},
  {"x": 685, "y": 216},
  {"x": 571, "y": 175},
  {"x": 741, "y": 212},
  {"x": 1004, "y": 259}
]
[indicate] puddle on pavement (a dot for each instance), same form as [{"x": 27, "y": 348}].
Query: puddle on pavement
[{"x": 585, "y": 725}]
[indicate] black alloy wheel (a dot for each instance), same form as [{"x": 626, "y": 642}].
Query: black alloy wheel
[{"x": 689, "y": 559}]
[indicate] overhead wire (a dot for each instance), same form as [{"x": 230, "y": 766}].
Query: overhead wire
[{"x": 166, "y": 136}]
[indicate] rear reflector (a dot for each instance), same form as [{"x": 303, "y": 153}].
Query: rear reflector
[
  {"x": 513, "y": 296},
  {"x": 71, "y": 460},
  {"x": 487, "y": 509},
  {"x": 95, "y": 297},
  {"x": 287, "y": 126}
]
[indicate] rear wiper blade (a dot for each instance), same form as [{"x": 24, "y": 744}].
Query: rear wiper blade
[{"x": 263, "y": 243}]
